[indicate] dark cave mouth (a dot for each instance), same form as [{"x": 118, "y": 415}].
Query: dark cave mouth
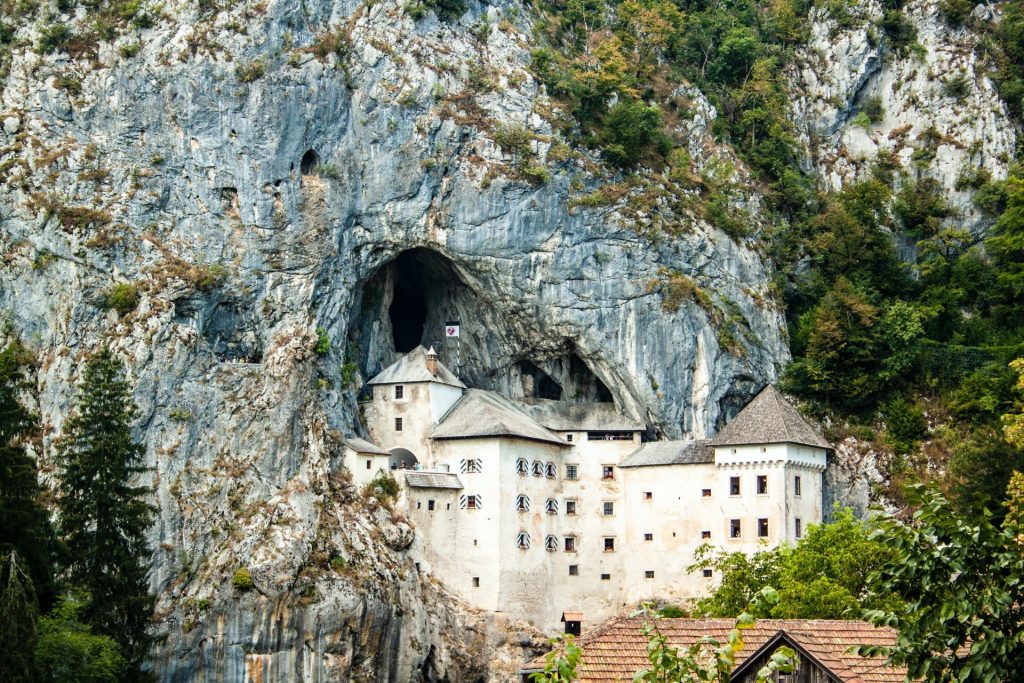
[{"x": 421, "y": 281}]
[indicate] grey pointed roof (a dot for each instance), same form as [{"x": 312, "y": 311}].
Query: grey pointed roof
[
  {"x": 432, "y": 480},
  {"x": 364, "y": 446},
  {"x": 412, "y": 368},
  {"x": 769, "y": 418},
  {"x": 563, "y": 416},
  {"x": 670, "y": 453},
  {"x": 482, "y": 414}
]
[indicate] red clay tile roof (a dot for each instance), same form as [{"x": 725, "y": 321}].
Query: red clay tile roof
[{"x": 616, "y": 650}]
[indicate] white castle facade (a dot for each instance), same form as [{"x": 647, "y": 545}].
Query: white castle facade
[{"x": 550, "y": 511}]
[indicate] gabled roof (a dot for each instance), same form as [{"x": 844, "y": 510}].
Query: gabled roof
[
  {"x": 670, "y": 453},
  {"x": 364, "y": 446},
  {"x": 412, "y": 368},
  {"x": 769, "y": 418},
  {"x": 616, "y": 650},
  {"x": 432, "y": 480},
  {"x": 482, "y": 414},
  {"x": 563, "y": 416}
]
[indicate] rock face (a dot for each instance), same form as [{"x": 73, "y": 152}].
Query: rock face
[{"x": 253, "y": 187}]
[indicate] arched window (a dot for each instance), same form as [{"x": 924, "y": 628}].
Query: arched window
[
  {"x": 523, "y": 541},
  {"x": 551, "y": 507},
  {"x": 522, "y": 467},
  {"x": 522, "y": 503},
  {"x": 551, "y": 544},
  {"x": 550, "y": 470},
  {"x": 538, "y": 468}
]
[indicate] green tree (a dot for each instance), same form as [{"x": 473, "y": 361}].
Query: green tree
[
  {"x": 1006, "y": 245},
  {"x": 824, "y": 576},
  {"x": 67, "y": 650},
  {"x": 103, "y": 516},
  {"x": 24, "y": 523},
  {"x": 18, "y": 613},
  {"x": 962, "y": 582}
]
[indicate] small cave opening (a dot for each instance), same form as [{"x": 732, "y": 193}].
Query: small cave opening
[
  {"x": 537, "y": 383},
  {"x": 586, "y": 386},
  {"x": 310, "y": 160},
  {"x": 408, "y": 309}
]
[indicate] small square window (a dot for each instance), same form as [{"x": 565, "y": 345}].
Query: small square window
[
  {"x": 648, "y": 495},
  {"x": 705, "y": 493},
  {"x": 570, "y": 544},
  {"x": 607, "y": 472},
  {"x": 649, "y": 574},
  {"x": 608, "y": 509},
  {"x": 799, "y": 527},
  {"x": 705, "y": 534},
  {"x": 707, "y": 573},
  {"x": 430, "y": 505},
  {"x": 418, "y": 505},
  {"x": 606, "y": 577},
  {"x": 570, "y": 507},
  {"x": 568, "y": 437},
  {"x": 609, "y": 545},
  {"x": 476, "y": 582},
  {"x": 399, "y": 391},
  {"x": 762, "y": 527},
  {"x": 762, "y": 484},
  {"x": 398, "y": 424},
  {"x": 648, "y": 537},
  {"x": 734, "y": 486},
  {"x": 796, "y": 486},
  {"x": 735, "y": 530},
  {"x": 574, "y": 570},
  {"x": 570, "y": 471}
]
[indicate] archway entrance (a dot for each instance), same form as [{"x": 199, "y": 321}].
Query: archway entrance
[{"x": 402, "y": 459}]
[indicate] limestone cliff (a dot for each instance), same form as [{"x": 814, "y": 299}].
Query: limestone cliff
[{"x": 264, "y": 170}]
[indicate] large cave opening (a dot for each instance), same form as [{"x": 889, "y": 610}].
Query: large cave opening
[{"x": 408, "y": 309}]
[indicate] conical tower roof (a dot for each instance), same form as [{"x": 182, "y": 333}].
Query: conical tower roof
[{"x": 769, "y": 418}]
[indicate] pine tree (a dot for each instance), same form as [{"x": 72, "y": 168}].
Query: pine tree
[
  {"x": 18, "y": 613},
  {"x": 103, "y": 517}
]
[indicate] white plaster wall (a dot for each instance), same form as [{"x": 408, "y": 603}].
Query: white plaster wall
[
  {"x": 442, "y": 397},
  {"x": 355, "y": 462},
  {"x": 418, "y": 408}
]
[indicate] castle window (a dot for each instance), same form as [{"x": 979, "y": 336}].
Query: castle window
[
  {"x": 796, "y": 485},
  {"x": 471, "y": 466},
  {"x": 476, "y": 582},
  {"x": 551, "y": 544},
  {"x": 799, "y": 527},
  {"x": 399, "y": 391},
  {"x": 430, "y": 505},
  {"x": 608, "y": 509},
  {"x": 762, "y": 527},
  {"x": 551, "y": 506},
  {"x": 447, "y": 506},
  {"x": 648, "y": 495},
  {"x": 570, "y": 544},
  {"x": 471, "y": 502},
  {"x": 648, "y": 537},
  {"x": 523, "y": 541},
  {"x": 368, "y": 465},
  {"x": 570, "y": 472},
  {"x": 522, "y": 503},
  {"x": 606, "y": 577},
  {"x": 705, "y": 493},
  {"x": 705, "y": 534},
  {"x": 734, "y": 486},
  {"x": 418, "y": 505},
  {"x": 607, "y": 471},
  {"x": 762, "y": 484},
  {"x": 707, "y": 573},
  {"x": 549, "y": 470},
  {"x": 568, "y": 437},
  {"x": 522, "y": 467},
  {"x": 570, "y": 507},
  {"x": 609, "y": 544},
  {"x": 649, "y": 574},
  {"x": 538, "y": 468},
  {"x": 398, "y": 424},
  {"x": 574, "y": 570},
  {"x": 735, "y": 531}
]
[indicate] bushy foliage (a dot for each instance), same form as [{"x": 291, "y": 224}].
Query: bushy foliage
[
  {"x": 242, "y": 579},
  {"x": 68, "y": 650},
  {"x": 123, "y": 297}
]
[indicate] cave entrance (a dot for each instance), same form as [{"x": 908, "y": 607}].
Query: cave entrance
[
  {"x": 408, "y": 309},
  {"x": 537, "y": 383}
]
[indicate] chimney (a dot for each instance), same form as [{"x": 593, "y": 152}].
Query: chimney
[{"x": 432, "y": 361}]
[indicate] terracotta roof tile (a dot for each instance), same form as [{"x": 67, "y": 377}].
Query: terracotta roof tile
[{"x": 616, "y": 650}]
